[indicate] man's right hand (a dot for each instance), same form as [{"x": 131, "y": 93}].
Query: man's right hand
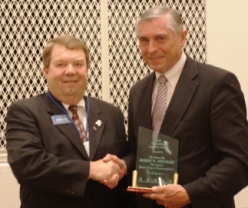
[{"x": 104, "y": 172}]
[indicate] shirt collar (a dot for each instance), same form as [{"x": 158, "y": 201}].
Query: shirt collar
[
  {"x": 174, "y": 73},
  {"x": 80, "y": 104}
]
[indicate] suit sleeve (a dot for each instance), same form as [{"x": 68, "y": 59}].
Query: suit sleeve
[{"x": 229, "y": 134}]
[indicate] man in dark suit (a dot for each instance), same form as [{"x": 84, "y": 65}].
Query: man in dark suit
[
  {"x": 205, "y": 110},
  {"x": 56, "y": 166}
]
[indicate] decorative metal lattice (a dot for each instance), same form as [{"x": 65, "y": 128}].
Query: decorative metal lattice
[{"x": 26, "y": 26}]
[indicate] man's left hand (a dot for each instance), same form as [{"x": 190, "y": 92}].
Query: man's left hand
[{"x": 170, "y": 196}]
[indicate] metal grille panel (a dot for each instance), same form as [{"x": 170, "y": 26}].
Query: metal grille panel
[{"x": 26, "y": 25}]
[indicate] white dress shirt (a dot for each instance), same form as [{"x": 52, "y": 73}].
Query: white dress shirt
[{"x": 172, "y": 76}]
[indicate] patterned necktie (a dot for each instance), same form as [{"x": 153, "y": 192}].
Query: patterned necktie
[
  {"x": 160, "y": 104},
  {"x": 77, "y": 121}
]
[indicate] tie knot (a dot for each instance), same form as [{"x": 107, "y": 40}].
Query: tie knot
[
  {"x": 162, "y": 79},
  {"x": 73, "y": 108}
]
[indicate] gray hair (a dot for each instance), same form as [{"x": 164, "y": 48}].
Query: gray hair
[{"x": 175, "y": 21}]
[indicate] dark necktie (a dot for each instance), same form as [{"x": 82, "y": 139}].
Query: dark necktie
[
  {"x": 160, "y": 104},
  {"x": 77, "y": 121}
]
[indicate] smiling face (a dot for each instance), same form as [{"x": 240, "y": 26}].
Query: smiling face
[
  {"x": 161, "y": 48},
  {"x": 67, "y": 74}
]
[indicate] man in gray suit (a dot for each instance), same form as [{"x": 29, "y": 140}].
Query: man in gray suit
[
  {"x": 56, "y": 166},
  {"x": 205, "y": 111}
]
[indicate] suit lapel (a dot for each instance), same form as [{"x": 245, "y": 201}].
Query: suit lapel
[
  {"x": 66, "y": 129},
  {"x": 183, "y": 94},
  {"x": 145, "y": 103},
  {"x": 96, "y": 127}
]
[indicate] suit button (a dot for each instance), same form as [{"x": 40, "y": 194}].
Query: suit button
[
  {"x": 68, "y": 191},
  {"x": 93, "y": 195}
]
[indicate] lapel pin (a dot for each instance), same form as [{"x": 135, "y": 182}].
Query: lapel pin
[{"x": 98, "y": 122}]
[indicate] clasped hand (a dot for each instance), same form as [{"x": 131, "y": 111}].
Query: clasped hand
[{"x": 108, "y": 170}]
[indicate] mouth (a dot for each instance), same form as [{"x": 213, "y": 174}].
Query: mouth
[
  {"x": 155, "y": 58},
  {"x": 70, "y": 81}
]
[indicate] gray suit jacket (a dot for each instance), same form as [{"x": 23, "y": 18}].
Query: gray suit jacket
[
  {"x": 207, "y": 114},
  {"x": 50, "y": 162}
]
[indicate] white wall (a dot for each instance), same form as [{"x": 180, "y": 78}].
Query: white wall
[
  {"x": 227, "y": 37},
  {"x": 227, "y": 47},
  {"x": 9, "y": 188}
]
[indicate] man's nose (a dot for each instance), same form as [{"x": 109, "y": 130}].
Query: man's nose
[
  {"x": 70, "y": 69},
  {"x": 152, "y": 46}
]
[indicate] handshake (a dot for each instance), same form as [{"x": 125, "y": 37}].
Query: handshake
[{"x": 108, "y": 171}]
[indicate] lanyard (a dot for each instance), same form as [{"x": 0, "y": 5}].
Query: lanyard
[{"x": 66, "y": 113}]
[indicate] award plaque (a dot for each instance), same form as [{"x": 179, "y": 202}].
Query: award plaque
[{"x": 156, "y": 163}]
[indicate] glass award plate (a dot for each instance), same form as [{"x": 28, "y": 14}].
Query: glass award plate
[{"x": 156, "y": 163}]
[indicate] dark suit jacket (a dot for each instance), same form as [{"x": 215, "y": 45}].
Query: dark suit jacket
[
  {"x": 50, "y": 162},
  {"x": 207, "y": 114}
]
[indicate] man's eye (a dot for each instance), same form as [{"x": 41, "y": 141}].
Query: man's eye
[
  {"x": 143, "y": 40},
  {"x": 79, "y": 64},
  {"x": 161, "y": 38},
  {"x": 60, "y": 64}
]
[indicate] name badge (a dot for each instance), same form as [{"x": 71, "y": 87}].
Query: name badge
[{"x": 60, "y": 119}]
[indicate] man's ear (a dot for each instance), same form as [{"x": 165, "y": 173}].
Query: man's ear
[
  {"x": 45, "y": 71},
  {"x": 183, "y": 37}
]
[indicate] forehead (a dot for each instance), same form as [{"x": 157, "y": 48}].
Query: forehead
[
  {"x": 153, "y": 27},
  {"x": 61, "y": 52}
]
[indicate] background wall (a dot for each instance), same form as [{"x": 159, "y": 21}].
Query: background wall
[
  {"x": 227, "y": 37},
  {"x": 227, "y": 47}
]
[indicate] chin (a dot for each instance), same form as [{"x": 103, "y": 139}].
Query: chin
[{"x": 156, "y": 69}]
